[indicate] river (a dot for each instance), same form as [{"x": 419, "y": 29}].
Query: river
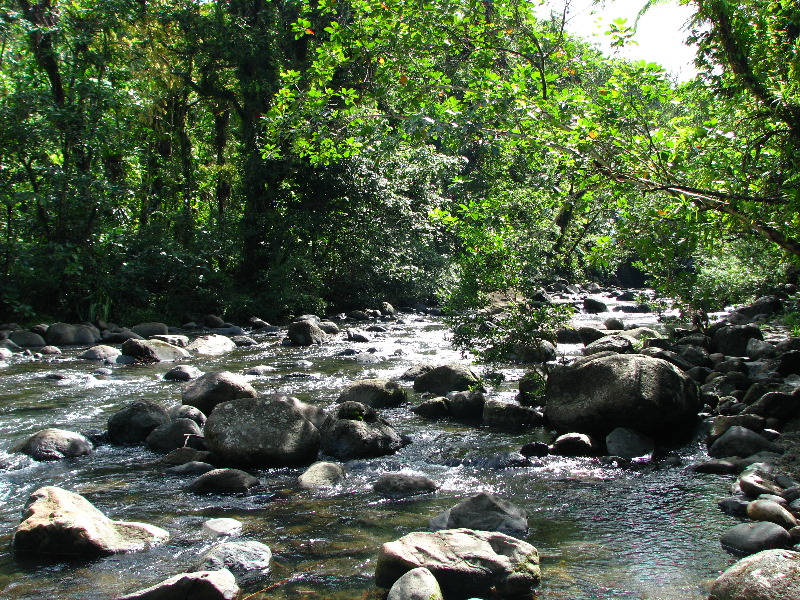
[{"x": 603, "y": 533}]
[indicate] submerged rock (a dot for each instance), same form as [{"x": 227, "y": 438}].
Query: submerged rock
[
  {"x": 63, "y": 524},
  {"x": 485, "y": 512}
]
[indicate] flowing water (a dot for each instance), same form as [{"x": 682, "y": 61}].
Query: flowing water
[{"x": 603, "y": 533}]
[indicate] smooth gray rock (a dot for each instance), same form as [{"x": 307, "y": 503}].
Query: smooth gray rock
[
  {"x": 147, "y": 330},
  {"x": 153, "y": 351},
  {"x": 445, "y": 379},
  {"x": 101, "y": 353},
  {"x": 133, "y": 423},
  {"x": 182, "y": 373},
  {"x": 26, "y": 339},
  {"x": 749, "y": 538},
  {"x": 55, "y": 444},
  {"x": 628, "y": 443},
  {"x": 175, "y": 434},
  {"x": 65, "y": 334},
  {"x": 399, "y": 485},
  {"x": 224, "y": 481},
  {"x": 377, "y": 393},
  {"x": 732, "y": 340},
  {"x": 215, "y": 387},
  {"x": 484, "y": 512},
  {"x": 306, "y": 333},
  {"x": 740, "y": 441},
  {"x": 211, "y": 345},
  {"x": 356, "y": 431}
]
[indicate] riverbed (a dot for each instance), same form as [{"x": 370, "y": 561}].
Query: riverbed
[{"x": 647, "y": 533}]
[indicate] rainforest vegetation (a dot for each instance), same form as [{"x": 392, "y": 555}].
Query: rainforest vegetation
[{"x": 275, "y": 156}]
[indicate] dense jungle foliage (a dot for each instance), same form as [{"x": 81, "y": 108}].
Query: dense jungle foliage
[{"x": 274, "y": 156}]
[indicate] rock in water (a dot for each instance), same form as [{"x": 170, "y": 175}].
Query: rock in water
[
  {"x": 63, "y": 524},
  {"x": 202, "y": 585},
  {"x": 261, "y": 432},
  {"x": 484, "y": 512},
  {"x": 600, "y": 393},
  {"x": 417, "y": 584},
  {"x": 55, "y": 444},
  {"x": 466, "y": 563},
  {"x": 208, "y": 390},
  {"x": 445, "y": 379},
  {"x": 377, "y": 393},
  {"x": 249, "y": 561},
  {"x": 749, "y": 538},
  {"x": 768, "y": 575}
]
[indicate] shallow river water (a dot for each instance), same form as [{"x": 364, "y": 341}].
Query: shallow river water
[{"x": 603, "y": 533}]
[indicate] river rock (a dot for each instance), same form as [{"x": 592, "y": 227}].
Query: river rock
[
  {"x": 182, "y": 456},
  {"x": 306, "y": 333},
  {"x": 222, "y": 527},
  {"x": 55, "y": 444},
  {"x": 767, "y": 575},
  {"x": 152, "y": 351},
  {"x": 101, "y": 353},
  {"x": 191, "y": 468},
  {"x": 599, "y": 394},
  {"x": 574, "y": 444},
  {"x": 412, "y": 373},
  {"x": 416, "y": 584},
  {"x": 629, "y": 444},
  {"x": 181, "y": 341},
  {"x": 64, "y": 334},
  {"x": 184, "y": 411},
  {"x": 400, "y": 485},
  {"x": 210, "y": 389},
  {"x": 594, "y": 307},
  {"x": 175, "y": 434},
  {"x": 749, "y": 538},
  {"x": 432, "y": 408},
  {"x": 133, "y": 423},
  {"x": 466, "y": 563},
  {"x": 446, "y": 378},
  {"x": 63, "y": 524},
  {"x": 213, "y": 321},
  {"x": 202, "y": 585},
  {"x": 224, "y": 481},
  {"x": 484, "y": 512},
  {"x": 620, "y": 344},
  {"x": 26, "y": 339},
  {"x": 377, "y": 393},
  {"x": 466, "y": 405},
  {"x": 776, "y": 405},
  {"x": 732, "y": 340},
  {"x": 147, "y": 330},
  {"x": 321, "y": 474},
  {"x": 249, "y": 561},
  {"x": 261, "y": 432},
  {"x": 509, "y": 417},
  {"x": 740, "y": 441},
  {"x": 754, "y": 485},
  {"x": 722, "y": 423},
  {"x": 211, "y": 345},
  {"x": 356, "y": 431},
  {"x": 767, "y": 510}
]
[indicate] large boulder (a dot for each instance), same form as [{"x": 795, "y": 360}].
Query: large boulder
[
  {"x": 446, "y": 378},
  {"x": 485, "y": 512},
  {"x": 211, "y": 345},
  {"x": 603, "y": 392},
  {"x": 201, "y": 585},
  {"x": 152, "y": 351},
  {"x": 55, "y": 444},
  {"x": 768, "y": 575},
  {"x": 210, "y": 389},
  {"x": 60, "y": 523},
  {"x": 261, "y": 432},
  {"x": 466, "y": 563},
  {"x": 306, "y": 333},
  {"x": 356, "y": 431},
  {"x": 377, "y": 393},
  {"x": 133, "y": 423}
]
